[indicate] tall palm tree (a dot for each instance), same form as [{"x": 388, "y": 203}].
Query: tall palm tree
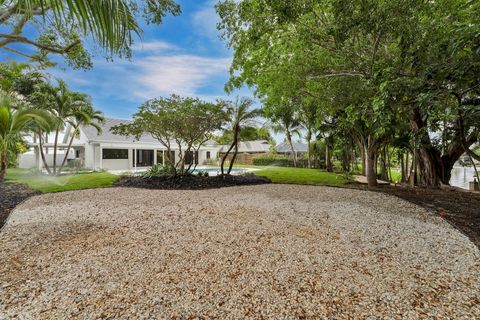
[
  {"x": 285, "y": 120},
  {"x": 240, "y": 115},
  {"x": 63, "y": 105},
  {"x": 13, "y": 122},
  {"x": 84, "y": 116}
]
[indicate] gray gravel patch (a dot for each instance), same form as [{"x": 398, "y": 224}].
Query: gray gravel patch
[{"x": 268, "y": 251}]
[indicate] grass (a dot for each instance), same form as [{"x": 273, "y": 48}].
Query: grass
[
  {"x": 49, "y": 184},
  {"x": 302, "y": 176}
]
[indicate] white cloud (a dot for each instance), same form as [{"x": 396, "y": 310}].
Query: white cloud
[
  {"x": 154, "y": 46},
  {"x": 181, "y": 74},
  {"x": 150, "y": 75},
  {"x": 205, "y": 21}
]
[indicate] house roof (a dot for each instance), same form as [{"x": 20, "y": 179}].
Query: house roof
[
  {"x": 107, "y": 136},
  {"x": 297, "y": 146},
  {"x": 255, "y": 146}
]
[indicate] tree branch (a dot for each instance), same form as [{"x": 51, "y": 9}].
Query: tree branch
[{"x": 16, "y": 38}]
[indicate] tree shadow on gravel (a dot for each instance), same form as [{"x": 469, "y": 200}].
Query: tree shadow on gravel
[
  {"x": 460, "y": 208},
  {"x": 12, "y": 194}
]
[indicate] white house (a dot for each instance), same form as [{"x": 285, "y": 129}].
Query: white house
[{"x": 112, "y": 152}]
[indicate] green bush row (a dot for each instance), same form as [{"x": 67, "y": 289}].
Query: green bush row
[{"x": 269, "y": 160}]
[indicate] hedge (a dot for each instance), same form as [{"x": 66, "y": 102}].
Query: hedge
[{"x": 271, "y": 160}]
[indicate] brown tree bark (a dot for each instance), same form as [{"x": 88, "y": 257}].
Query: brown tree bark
[
  {"x": 288, "y": 134},
  {"x": 370, "y": 162}
]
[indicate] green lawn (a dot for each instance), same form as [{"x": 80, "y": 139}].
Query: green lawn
[
  {"x": 302, "y": 176},
  {"x": 48, "y": 184}
]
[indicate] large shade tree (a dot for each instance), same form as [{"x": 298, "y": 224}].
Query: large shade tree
[
  {"x": 417, "y": 60},
  {"x": 186, "y": 122}
]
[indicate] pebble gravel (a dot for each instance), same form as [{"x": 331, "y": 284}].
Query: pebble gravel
[{"x": 250, "y": 252}]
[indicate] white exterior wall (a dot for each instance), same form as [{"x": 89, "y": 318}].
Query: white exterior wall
[{"x": 27, "y": 160}]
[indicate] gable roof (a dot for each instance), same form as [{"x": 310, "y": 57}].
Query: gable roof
[
  {"x": 255, "y": 146},
  {"x": 106, "y": 135},
  {"x": 297, "y": 146}
]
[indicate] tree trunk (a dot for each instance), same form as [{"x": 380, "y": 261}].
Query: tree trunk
[
  {"x": 309, "y": 154},
  {"x": 55, "y": 143},
  {"x": 328, "y": 157},
  {"x": 225, "y": 157},
  {"x": 42, "y": 153},
  {"x": 236, "y": 129},
  {"x": 3, "y": 166},
  {"x": 370, "y": 163},
  {"x": 233, "y": 157},
  {"x": 402, "y": 167},
  {"x": 383, "y": 165},
  {"x": 289, "y": 139},
  {"x": 66, "y": 153}
]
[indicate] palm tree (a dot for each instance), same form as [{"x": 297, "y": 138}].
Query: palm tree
[
  {"x": 111, "y": 23},
  {"x": 63, "y": 105},
  {"x": 284, "y": 119},
  {"x": 13, "y": 122},
  {"x": 240, "y": 115},
  {"x": 84, "y": 116}
]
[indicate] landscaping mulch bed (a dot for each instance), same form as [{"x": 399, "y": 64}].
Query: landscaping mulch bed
[
  {"x": 190, "y": 182},
  {"x": 459, "y": 208},
  {"x": 11, "y": 194}
]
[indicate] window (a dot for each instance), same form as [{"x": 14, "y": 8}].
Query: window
[
  {"x": 191, "y": 158},
  {"x": 160, "y": 157},
  {"x": 115, "y": 154},
  {"x": 144, "y": 158},
  {"x": 188, "y": 157},
  {"x": 77, "y": 154},
  {"x": 172, "y": 156},
  {"x": 208, "y": 154}
]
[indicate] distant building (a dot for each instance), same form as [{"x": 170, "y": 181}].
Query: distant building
[
  {"x": 286, "y": 150},
  {"x": 246, "y": 150}
]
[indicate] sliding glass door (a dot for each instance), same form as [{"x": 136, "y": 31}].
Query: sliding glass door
[{"x": 143, "y": 158}]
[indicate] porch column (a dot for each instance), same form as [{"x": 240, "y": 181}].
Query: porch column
[
  {"x": 155, "y": 156},
  {"x": 135, "y": 159},
  {"x": 101, "y": 156},
  {"x": 163, "y": 158}
]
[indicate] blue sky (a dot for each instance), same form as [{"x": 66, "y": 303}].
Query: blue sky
[{"x": 184, "y": 55}]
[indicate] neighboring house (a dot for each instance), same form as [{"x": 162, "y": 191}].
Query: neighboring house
[
  {"x": 113, "y": 152},
  {"x": 286, "y": 150},
  {"x": 247, "y": 150}
]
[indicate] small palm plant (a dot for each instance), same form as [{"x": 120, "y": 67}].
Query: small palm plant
[
  {"x": 14, "y": 120},
  {"x": 240, "y": 115}
]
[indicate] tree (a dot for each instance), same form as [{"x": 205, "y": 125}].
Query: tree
[
  {"x": 247, "y": 133},
  {"x": 187, "y": 121},
  {"x": 14, "y": 119},
  {"x": 239, "y": 115},
  {"x": 83, "y": 116},
  {"x": 63, "y": 24},
  {"x": 285, "y": 119},
  {"x": 415, "y": 59},
  {"x": 64, "y": 106}
]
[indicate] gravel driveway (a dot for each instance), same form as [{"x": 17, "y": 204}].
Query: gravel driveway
[{"x": 271, "y": 251}]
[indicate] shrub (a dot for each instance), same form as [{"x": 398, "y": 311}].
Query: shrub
[
  {"x": 271, "y": 160},
  {"x": 156, "y": 170},
  {"x": 211, "y": 162}
]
